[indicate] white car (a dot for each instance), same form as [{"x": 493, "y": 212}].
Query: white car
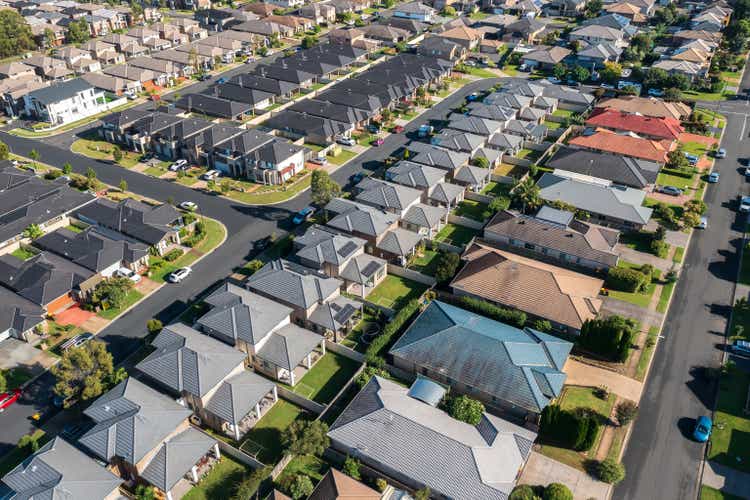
[
  {"x": 346, "y": 141},
  {"x": 178, "y": 165},
  {"x": 703, "y": 224},
  {"x": 124, "y": 272},
  {"x": 211, "y": 174},
  {"x": 745, "y": 204},
  {"x": 188, "y": 205},
  {"x": 179, "y": 274}
]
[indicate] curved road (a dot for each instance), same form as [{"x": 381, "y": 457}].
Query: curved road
[{"x": 244, "y": 223}]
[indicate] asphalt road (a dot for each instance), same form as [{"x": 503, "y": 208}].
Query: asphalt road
[
  {"x": 244, "y": 223},
  {"x": 662, "y": 462}
]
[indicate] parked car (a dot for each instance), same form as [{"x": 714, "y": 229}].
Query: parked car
[
  {"x": 398, "y": 129},
  {"x": 655, "y": 92},
  {"x": 702, "y": 430},
  {"x": 670, "y": 190},
  {"x": 747, "y": 171},
  {"x": 178, "y": 275},
  {"x": 524, "y": 67},
  {"x": 554, "y": 80},
  {"x": 378, "y": 142},
  {"x": 703, "y": 224},
  {"x": 346, "y": 141},
  {"x": 474, "y": 96},
  {"x": 76, "y": 341},
  {"x": 721, "y": 153},
  {"x": 713, "y": 177},
  {"x": 204, "y": 77},
  {"x": 319, "y": 160},
  {"x": 124, "y": 272},
  {"x": 188, "y": 205},
  {"x": 131, "y": 95},
  {"x": 211, "y": 174},
  {"x": 221, "y": 80},
  {"x": 178, "y": 165},
  {"x": 740, "y": 348},
  {"x": 692, "y": 159},
  {"x": 8, "y": 398},
  {"x": 357, "y": 178},
  {"x": 425, "y": 130},
  {"x": 303, "y": 215},
  {"x": 607, "y": 86},
  {"x": 62, "y": 401},
  {"x": 373, "y": 129},
  {"x": 745, "y": 204}
]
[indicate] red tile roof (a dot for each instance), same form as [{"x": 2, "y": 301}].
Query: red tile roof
[
  {"x": 663, "y": 128},
  {"x": 606, "y": 140}
]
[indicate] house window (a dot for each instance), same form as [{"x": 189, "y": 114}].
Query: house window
[{"x": 529, "y": 246}]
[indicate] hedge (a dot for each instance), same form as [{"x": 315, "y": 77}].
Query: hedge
[
  {"x": 173, "y": 255},
  {"x": 576, "y": 430},
  {"x": 379, "y": 344},
  {"x": 685, "y": 174},
  {"x": 625, "y": 279},
  {"x": 509, "y": 316},
  {"x": 609, "y": 337}
]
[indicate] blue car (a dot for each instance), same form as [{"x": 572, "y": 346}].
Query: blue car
[
  {"x": 221, "y": 80},
  {"x": 303, "y": 215},
  {"x": 702, "y": 430}
]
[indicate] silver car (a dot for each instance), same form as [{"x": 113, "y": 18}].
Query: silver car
[{"x": 178, "y": 275}]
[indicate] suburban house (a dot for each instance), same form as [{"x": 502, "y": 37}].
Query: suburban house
[
  {"x": 619, "y": 169},
  {"x": 596, "y": 55},
  {"x": 402, "y": 434},
  {"x": 594, "y": 34},
  {"x": 464, "y": 36},
  {"x": 526, "y": 30},
  {"x": 387, "y": 196},
  {"x": 647, "y": 106},
  {"x": 545, "y": 58},
  {"x": 145, "y": 436},
  {"x": 19, "y": 316},
  {"x": 665, "y": 128},
  {"x": 437, "y": 46},
  {"x": 687, "y": 68},
  {"x": 416, "y": 11},
  {"x": 516, "y": 371},
  {"x": 60, "y": 470},
  {"x": 342, "y": 257},
  {"x": 607, "y": 141},
  {"x": 607, "y": 204},
  {"x": 457, "y": 140},
  {"x": 64, "y": 102},
  {"x": 415, "y": 175},
  {"x": 276, "y": 162},
  {"x": 426, "y": 220},
  {"x": 320, "y": 13},
  {"x": 158, "y": 226},
  {"x": 556, "y": 235},
  {"x": 261, "y": 328},
  {"x": 627, "y": 10},
  {"x": 336, "y": 485},
  {"x": 437, "y": 157},
  {"x": 567, "y": 8},
  {"x": 210, "y": 377}
]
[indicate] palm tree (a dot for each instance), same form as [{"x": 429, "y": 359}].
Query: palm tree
[
  {"x": 526, "y": 194},
  {"x": 33, "y": 232}
]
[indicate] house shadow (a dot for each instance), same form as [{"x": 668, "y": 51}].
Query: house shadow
[
  {"x": 739, "y": 443},
  {"x": 703, "y": 384}
]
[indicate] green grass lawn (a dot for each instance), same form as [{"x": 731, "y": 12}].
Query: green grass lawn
[
  {"x": 266, "y": 195},
  {"x": 456, "y": 235},
  {"x": 481, "y": 72},
  {"x": 267, "y": 432},
  {"x": 695, "y": 148},
  {"x": 352, "y": 340},
  {"x": 675, "y": 180},
  {"x": 496, "y": 189},
  {"x": 647, "y": 352},
  {"x": 666, "y": 293},
  {"x": 708, "y": 493},
  {"x": 22, "y": 253},
  {"x": 187, "y": 180},
  {"x": 478, "y": 15},
  {"x": 553, "y": 125},
  {"x": 563, "y": 113},
  {"x": 131, "y": 298},
  {"x": 155, "y": 171},
  {"x": 74, "y": 229},
  {"x": 509, "y": 170},
  {"x": 215, "y": 232},
  {"x": 344, "y": 156},
  {"x": 745, "y": 266},
  {"x": 471, "y": 209},
  {"x": 395, "y": 291},
  {"x": 679, "y": 254},
  {"x": 15, "y": 456},
  {"x": 326, "y": 378},
  {"x": 220, "y": 481},
  {"x": 691, "y": 95},
  {"x": 426, "y": 263},
  {"x": 730, "y": 438},
  {"x": 529, "y": 154},
  {"x": 637, "y": 240},
  {"x": 102, "y": 150},
  {"x": 309, "y": 465},
  {"x": 731, "y": 77},
  {"x": 640, "y": 298}
]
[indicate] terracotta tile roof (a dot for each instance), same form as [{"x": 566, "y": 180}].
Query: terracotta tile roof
[
  {"x": 462, "y": 33},
  {"x": 545, "y": 291},
  {"x": 664, "y": 128},
  {"x": 336, "y": 485},
  {"x": 649, "y": 106},
  {"x": 606, "y": 140}
]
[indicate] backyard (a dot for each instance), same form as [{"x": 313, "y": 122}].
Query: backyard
[
  {"x": 456, "y": 235},
  {"x": 471, "y": 209},
  {"x": 353, "y": 340},
  {"x": 425, "y": 262},
  {"x": 395, "y": 291},
  {"x": 309, "y": 465},
  {"x": 220, "y": 482},
  {"x": 264, "y": 440},
  {"x": 326, "y": 378}
]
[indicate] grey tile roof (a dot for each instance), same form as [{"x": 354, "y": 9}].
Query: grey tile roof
[
  {"x": 525, "y": 129},
  {"x": 241, "y": 314},
  {"x": 445, "y": 192},
  {"x": 383, "y": 425},
  {"x": 426, "y": 216},
  {"x": 249, "y": 96},
  {"x": 547, "y": 89},
  {"x": 622, "y": 203},
  {"x": 58, "y": 470},
  {"x": 505, "y": 142},
  {"x": 415, "y": 175},
  {"x": 338, "y": 112},
  {"x": 257, "y": 82},
  {"x": 356, "y": 217},
  {"x": 362, "y": 268},
  {"x": 441, "y": 158},
  {"x": 213, "y": 106},
  {"x": 386, "y": 195},
  {"x": 471, "y": 175},
  {"x": 399, "y": 241},
  {"x": 187, "y": 360},
  {"x": 131, "y": 421},
  {"x": 238, "y": 395},
  {"x": 623, "y": 170},
  {"x": 133, "y": 218},
  {"x": 520, "y": 367},
  {"x": 320, "y": 246},
  {"x": 495, "y": 112},
  {"x": 176, "y": 457},
  {"x": 59, "y": 91},
  {"x": 474, "y": 125},
  {"x": 42, "y": 278},
  {"x": 17, "y": 314},
  {"x": 457, "y": 140},
  {"x": 293, "y": 284},
  {"x": 334, "y": 314},
  {"x": 507, "y": 100},
  {"x": 288, "y": 346}
]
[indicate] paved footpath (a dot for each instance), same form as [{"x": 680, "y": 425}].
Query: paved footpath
[{"x": 727, "y": 480}]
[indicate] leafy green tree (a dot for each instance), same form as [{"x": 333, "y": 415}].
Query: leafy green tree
[
  {"x": 111, "y": 292},
  {"x": 526, "y": 194},
  {"x": 3, "y": 382},
  {"x": 523, "y": 492},
  {"x": 560, "y": 70},
  {"x": 301, "y": 487},
  {"x": 466, "y": 409},
  {"x": 83, "y": 372},
  {"x": 28, "y": 443},
  {"x": 611, "y": 72},
  {"x": 304, "y": 437},
  {"x": 78, "y": 31},
  {"x": 448, "y": 11},
  {"x": 351, "y": 468},
  {"x": 154, "y": 325},
  {"x": 34, "y": 154},
  {"x": 542, "y": 325},
  {"x": 136, "y": 10},
  {"x": 610, "y": 337},
  {"x": 116, "y": 154},
  {"x": 33, "y": 231},
  {"x": 580, "y": 74},
  {"x": 15, "y": 34},
  {"x": 736, "y": 35},
  {"x": 90, "y": 174},
  {"x": 4, "y": 151},
  {"x": 309, "y": 41},
  {"x": 323, "y": 188},
  {"x": 423, "y": 494},
  {"x": 250, "y": 483},
  {"x": 610, "y": 471},
  {"x": 480, "y": 161},
  {"x": 254, "y": 266},
  {"x": 123, "y": 186},
  {"x": 67, "y": 168},
  {"x": 557, "y": 491},
  {"x": 626, "y": 411},
  {"x": 145, "y": 492},
  {"x": 593, "y": 7},
  {"x": 677, "y": 160},
  {"x": 447, "y": 266},
  {"x": 498, "y": 203}
]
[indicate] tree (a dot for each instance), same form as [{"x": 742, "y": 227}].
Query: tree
[
  {"x": 34, "y": 155},
  {"x": 154, "y": 325},
  {"x": 677, "y": 160},
  {"x": 610, "y": 471},
  {"x": 145, "y": 492},
  {"x": 480, "y": 161},
  {"x": 309, "y": 41},
  {"x": 83, "y": 371},
  {"x": 90, "y": 174},
  {"x": 123, "y": 185},
  {"x": 3, "y": 382},
  {"x": 4, "y": 151},
  {"x": 32, "y": 232},
  {"x": 136, "y": 10},
  {"x": 28, "y": 443},
  {"x": 117, "y": 154},
  {"x": 78, "y": 31},
  {"x": 542, "y": 325},
  {"x": 672, "y": 94},
  {"x": 580, "y": 74},
  {"x": 610, "y": 337},
  {"x": 557, "y": 491},
  {"x": 625, "y": 412},
  {"x": 323, "y": 188},
  {"x": 250, "y": 483},
  {"x": 388, "y": 4},
  {"x": 736, "y": 35},
  {"x": 526, "y": 194},
  {"x": 301, "y": 487},
  {"x": 448, "y": 11},
  {"x": 593, "y": 7},
  {"x": 111, "y": 292},
  {"x": 523, "y": 492},
  {"x": 15, "y": 34},
  {"x": 303, "y": 437},
  {"x": 423, "y": 494},
  {"x": 697, "y": 206},
  {"x": 560, "y": 70},
  {"x": 447, "y": 265},
  {"x": 254, "y": 266},
  {"x": 67, "y": 168},
  {"x": 465, "y": 409},
  {"x": 611, "y": 72},
  {"x": 498, "y": 203},
  {"x": 351, "y": 468}
]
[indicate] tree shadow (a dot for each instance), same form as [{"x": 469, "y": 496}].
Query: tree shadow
[{"x": 703, "y": 384}]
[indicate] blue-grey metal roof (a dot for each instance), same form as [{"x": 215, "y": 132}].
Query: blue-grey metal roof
[
  {"x": 293, "y": 284},
  {"x": 427, "y": 391},
  {"x": 176, "y": 457},
  {"x": 288, "y": 346},
  {"x": 238, "y": 395},
  {"x": 555, "y": 215}
]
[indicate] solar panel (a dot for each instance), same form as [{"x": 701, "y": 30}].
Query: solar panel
[
  {"x": 344, "y": 314},
  {"x": 347, "y": 249},
  {"x": 370, "y": 268}
]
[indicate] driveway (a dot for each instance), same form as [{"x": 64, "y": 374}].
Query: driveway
[
  {"x": 669, "y": 199},
  {"x": 592, "y": 376},
  {"x": 540, "y": 470},
  {"x": 636, "y": 257},
  {"x": 17, "y": 354},
  {"x": 647, "y": 317}
]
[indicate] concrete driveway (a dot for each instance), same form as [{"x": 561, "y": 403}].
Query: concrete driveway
[
  {"x": 646, "y": 317},
  {"x": 17, "y": 354},
  {"x": 636, "y": 257},
  {"x": 591, "y": 376},
  {"x": 541, "y": 470}
]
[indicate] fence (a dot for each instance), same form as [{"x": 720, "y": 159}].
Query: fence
[
  {"x": 441, "y": 245},
  {"x": 238, "y": 455},
  {"x": 521, "y": 162},
  {"x": 542, "y": 146},
  {"x": 571, "y": 107},
  {"x": 335, "y": 403},
  {"x": 385, "y": 310},
  {"x": 466, "y": 222},
  {"x": 555, "y": 119},
  {"x": 302, "y": 401},
  {"x": 345, "y": 351},
  {"x": 411, "y": 274},
  {"x": 279, "y": 467},
  {"x": 481, "y": 198}
]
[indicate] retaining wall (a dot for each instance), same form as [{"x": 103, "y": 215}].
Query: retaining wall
[
  {"x": 481, "y": 198},
  {"x": 302, "y": 401},
  {"x": 466, "y": 222}
]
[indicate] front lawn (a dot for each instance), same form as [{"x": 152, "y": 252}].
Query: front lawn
[
  {"x": 553, "y": 125},
  {"x": 695, "y": 148},
  {"x": 102, "y": 150},
  {"x": 641, "y": 298},
  {"x": 131, "y": 298},
  {"x": 344, "y": 156},
  {"x": 326, "y": 378},
  {"x": 708, "y": 493},
  {"x": 456, "y": 235},
  {"x": 266, "y": 195},
  {"x": 666, "y": 293},
  {"x": 264, "y": 440},
  {"x": 395, "y": 291},
  {"x": 679, "y": 254},
  {"x": 472, "y": 209},
  {"x": 425, "y": 263},
  {"x": 646, "y": 352},
  {"x": 730, "y": 438},
  {"x": 17, "y": 455},
  {"x": 220, "y": 481},
  {"x": 677, "y": 181}
]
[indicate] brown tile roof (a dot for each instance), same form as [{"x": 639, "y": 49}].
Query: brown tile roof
[
  {"x": 336, "y": 485},
  {"x": 462, "y": 33},
  {"x": 663, "y": 128},
  {"x": 649, "y": 106},
  {"x": 542, "y": 290},
  {"x": 636, "y": 147}
]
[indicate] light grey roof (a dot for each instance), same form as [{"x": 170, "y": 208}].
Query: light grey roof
[
  {"x": 293, "y": 284},
  {"x": 441, "y": 158},
  {"x": 507, "y": 100},
  {"x": 321, "y": 246},
  {"x": 495, "y": 112},
  {"x": 362, "y": 268},
  {"x": 525, "y": 128},
  {"x": 474, "y": 124},
  {"x": 519, "y": 86},
  {"x": 335, "y": 313},
  {"x": 492, "y": 155},
  {"x": 472, "y": 175},
  {"x": 17, "y": 314},
  {"x": 445, "y": 192},
  {"x": 529, "y": 113},
  {"x": 131, "y": 420},
  {"x": 399, "y": 241},
  {"x": 288, "y": 346},
  {"x": 505, "y": 141},
  {"x": 60, "y": 471},
  {"x": 238, "y": 395},
  {"x": 356, "y": 217},
  {"x": 386, "y": 195},
  {"x": 457, "y": 140},
  {"x": 60, "y": 91},
  {"x": 454, "y": 459},
  {"x": 414, "y": 175},
  {"x": 619, "y": 202},
  {"x": 425, "y": 215},
  {"x": 176, "y": 457},
  {"x": 187, "y": 360},
  {"x": 241, "y": 314}
]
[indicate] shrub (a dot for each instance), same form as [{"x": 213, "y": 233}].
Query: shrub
[
  {"x": 351, "y": 468},
  {"x": 466, "y": 409},
  {"x": 625, "y": 279},
  {"x": 522, "y": 492},
  {"x": 391, "y": 329},
  {"x": 626, "y": 411},
  {"x": 28, "y": 443},
  {"x": 301, "y": 487},
  {"x": 423, "y": 494},
  {"x": 447, "y": 266},
  {"x": 557, "y": 491},
  {"x": 381, "y": 484},
  {"x": 542, "y": 325},
  {"x": 610, "y": 471},
  {"x": 368, "y": 373},
  {"x": 609, "y": 337},
  {"x": 154, "y": 325},
  {"x": 660, "y": 248},
  {"x": 575, "y": 430},
  {"x": 510, "y": 316},
  {"x": 173, "y": 255}
]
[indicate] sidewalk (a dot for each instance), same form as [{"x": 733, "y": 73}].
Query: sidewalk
[{"x": 727, "y": 480}]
